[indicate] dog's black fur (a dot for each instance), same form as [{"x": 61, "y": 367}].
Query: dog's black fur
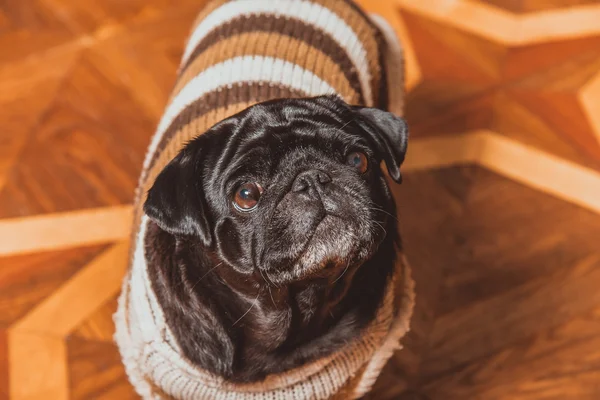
[{"x": 247, "y": 294}]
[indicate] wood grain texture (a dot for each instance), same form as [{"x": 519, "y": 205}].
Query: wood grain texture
[
  {"x": 99, "y": 325},
  {"x": 76, "y": 228},
  {"x": 508, "y": 157},
  {"x": 509, "y": 316},
  {"x": 507, "y": 276},
  {"x": 536, "y": 88},
  {"x": 4, "y": 365},
  {"x": 589, "y": 97},
  {"x": 38, "y": 368},
  {"x": 92, "y": 286},
  {"x": 531, "y": 6},
  {"x": 96, "y": 371},
  {"x": 81, "y": 98},
  {"x": 95, "y": 99},
  {"x": 507, "y": 27},
  {"x": 27, "y": 280},
  {"x": 507, "y": 301}
]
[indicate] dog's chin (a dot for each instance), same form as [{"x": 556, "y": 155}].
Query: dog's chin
[{"x": 335, "y": 245}]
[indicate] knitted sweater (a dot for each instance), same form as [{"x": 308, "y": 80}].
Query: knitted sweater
[{"x": 242, "y": 52}]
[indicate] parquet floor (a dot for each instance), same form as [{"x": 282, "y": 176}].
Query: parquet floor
[{"x": 507, "y": 272}]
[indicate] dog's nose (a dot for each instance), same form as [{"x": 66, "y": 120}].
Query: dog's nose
[{"x": 312, "y": 178}]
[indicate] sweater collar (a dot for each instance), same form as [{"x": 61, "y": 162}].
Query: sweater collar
[{"x": 157, "y": 368}]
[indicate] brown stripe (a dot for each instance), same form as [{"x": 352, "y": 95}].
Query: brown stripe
[
  {"x": 352, "y": 5},
  {"x": 367, "y": 33},
  {"x": 276, "y": 46},
  {"x": 383, "y": 100},
  {"x": 290, "y": 29}
]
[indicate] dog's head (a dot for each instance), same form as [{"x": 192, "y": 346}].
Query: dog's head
[{"x": 287, "y": 189}]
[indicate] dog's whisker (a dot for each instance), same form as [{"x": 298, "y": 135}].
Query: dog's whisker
[
  {"x": 383, "y": 211},
  {"x": 249, "y": 309},
  {"x": 343, "y": 272},
  {"x": 271, "y": 294},
  {"x": 268, "y": 281},
  {"x": 263, "y": 276},
  {"x": 345, "y": 125},
  {"x": 378, "y": 224},
  {"x": 206, "y": 274}
]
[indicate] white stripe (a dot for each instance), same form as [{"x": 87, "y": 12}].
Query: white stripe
[
  {"x": 232, "y": 71},
  {"x": 307, "y": 12},
  {"x": 138, "y": 302}
]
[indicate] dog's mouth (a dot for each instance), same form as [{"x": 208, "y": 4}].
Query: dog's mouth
[
  {"x": 306, "y": 242},
  {"x": 324, "y": 231},
  {"x": 334, "y": 245}
]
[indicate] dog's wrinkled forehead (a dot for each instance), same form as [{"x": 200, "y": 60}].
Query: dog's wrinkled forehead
[
  {"x": 296, "y": 145},
  {"x": 269, "y": 135},
  {"x": 278, "y": 126}
]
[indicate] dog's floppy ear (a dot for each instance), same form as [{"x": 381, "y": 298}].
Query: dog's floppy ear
[
  {"x": 389, "y": 133},
  {"x": 176, "y": 200}
]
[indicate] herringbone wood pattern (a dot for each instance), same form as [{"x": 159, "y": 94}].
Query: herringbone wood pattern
[{"x": 507, "y": 277}]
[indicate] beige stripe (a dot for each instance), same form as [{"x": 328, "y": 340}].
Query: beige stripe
[
  {"x": 91, "y": 287},
  {"x": 38, "y": 367},
  {"x": 38, "y": 233},
  {"x": 270, "y": 45}
]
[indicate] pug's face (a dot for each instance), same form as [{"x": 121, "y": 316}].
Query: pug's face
[{"x": 287, "y": 190}]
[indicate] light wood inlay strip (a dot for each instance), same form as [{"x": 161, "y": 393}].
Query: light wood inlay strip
[
  {"x": 38, "y": 367},
  {"x": 506, "y": 27},
  {"x": 524, "y": 164},
  {"x": 545, "y": 172},
  {"x": 589, "y": 96},
  {"x": 91, "y": 287},
  {"x": 64, "y": 230},
  {"x": 558, "y": 177},
  {"x": 442, "y": 151}
]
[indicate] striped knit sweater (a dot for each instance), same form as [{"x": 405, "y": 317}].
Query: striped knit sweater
[{"x": 241, "y": 52}]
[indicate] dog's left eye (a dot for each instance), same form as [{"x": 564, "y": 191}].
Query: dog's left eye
[
  {"x": 247, "y": 196},
  {"x": 359, "y": 161}
]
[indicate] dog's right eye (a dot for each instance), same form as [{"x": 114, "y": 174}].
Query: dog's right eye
[
  {"x": 359, "y": 161},
  {"x": 247, "y": 196}
]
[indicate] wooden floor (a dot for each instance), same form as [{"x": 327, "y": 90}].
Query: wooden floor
[{"x": 508, "y": 276}]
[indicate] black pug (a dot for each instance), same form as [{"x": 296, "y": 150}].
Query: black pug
[{"x": 273, "y": 235}]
